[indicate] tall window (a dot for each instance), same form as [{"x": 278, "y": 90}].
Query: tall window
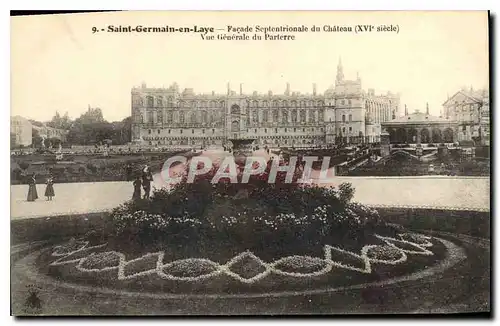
[
  {"x": 284, "y": 114},
  {"x": 302, "y": 115},
  {"x": 160, "y": 116},
  {"x": 312, "y": 116},
  {"x": 265, "y": 115},
  {"x": 150, "y": 101},
  {"x": 151, "y": 117},
  {"x": 343, "y": 117},
  {"x": 255, "y": 116},
  {"x": 350, "y": 117},
  {"x": 182, "y": 118},
  {"x": 275, "y": 115}
]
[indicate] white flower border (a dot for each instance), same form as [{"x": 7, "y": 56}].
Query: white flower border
[{"x": 272, "y": 267}]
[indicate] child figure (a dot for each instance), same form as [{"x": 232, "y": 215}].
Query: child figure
[{"x": 49, "y": 191}]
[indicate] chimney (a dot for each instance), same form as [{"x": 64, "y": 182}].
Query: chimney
[
  {"x": 427, "y": 109},
  {"x": 228, "y": 89},
  {"x": 406, "y": 110},
  {"x": 287, "y": 92},
  {"x": 241, "y": 89},
  {"x": 314, "y": 89}
]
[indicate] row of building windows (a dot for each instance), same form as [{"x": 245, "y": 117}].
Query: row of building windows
[
  {"x": 204, "y": 117},
  {"x": 150, "y": 131},
  {"x": 160, "y": 102}
]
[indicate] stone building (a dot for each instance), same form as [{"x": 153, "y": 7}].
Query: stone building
[
  {"x": 470, "y": 109},
  {"x": 421, "y": 128},
  {"x": 47, "y": 132},
  {"x": 21, "y": 129},
  {"x": 344, "y": 113}
]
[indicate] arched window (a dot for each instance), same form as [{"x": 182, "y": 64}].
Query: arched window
[
  {"x": 343, "y": 117},
  {"x": 182, "y": 118},
  {"x": 159, "y": 101},
  {"x": 150, "y": 101}
]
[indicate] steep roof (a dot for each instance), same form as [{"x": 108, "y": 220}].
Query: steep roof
[{"x": 474, "y": 95}]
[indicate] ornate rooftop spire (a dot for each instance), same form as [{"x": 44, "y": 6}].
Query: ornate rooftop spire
[{"x": 340, "y": 71}]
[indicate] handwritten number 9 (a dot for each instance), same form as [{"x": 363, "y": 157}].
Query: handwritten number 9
[{"x": 94, "y": 29}]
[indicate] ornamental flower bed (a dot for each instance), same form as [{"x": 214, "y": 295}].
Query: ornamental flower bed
[{"x": 258, "y": 215}]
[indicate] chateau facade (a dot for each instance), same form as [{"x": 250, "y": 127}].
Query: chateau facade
[{"x": 345, "y": 113}]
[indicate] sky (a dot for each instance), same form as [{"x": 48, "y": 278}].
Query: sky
[{"x": 59, "y": 64}]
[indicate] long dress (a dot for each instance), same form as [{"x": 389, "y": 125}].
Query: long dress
[
  {"x": 32, "y": 194},
  {"x": 147, "y": 177},
  {"x": 137, "y": 190},
  {"x": 49, "y": 191}
]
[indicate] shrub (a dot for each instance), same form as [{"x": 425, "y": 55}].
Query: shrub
[
  {"x": 17, "y": 174},
  {"x": 92, "y": 167},
  {"x": 257, "y": 213},
  {"x": 24, "y": 165}
]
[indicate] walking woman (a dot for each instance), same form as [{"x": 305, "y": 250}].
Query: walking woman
[
  {"x": 32, "y": 194},
  {"x": 147, "y": 177},
  {"x": 49, "y": 191},
  {"x": 137, "y": 188}
]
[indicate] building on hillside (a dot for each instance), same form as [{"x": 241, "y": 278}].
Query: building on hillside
[
  {"x": 47, "y": 132},
  {"x": 421, "y": 128},
  {"x": 21, "y": 129},
  {"x": 344, "y": 113},
  {"x": 470, "y": 109}
]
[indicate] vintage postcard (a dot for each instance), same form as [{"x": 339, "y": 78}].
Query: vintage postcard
[{"x": 250, "y": 163}]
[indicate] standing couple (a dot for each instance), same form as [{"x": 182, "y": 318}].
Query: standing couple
[
  {"x": 49, "y": 190},
  {"x": 143, "y": 180}
]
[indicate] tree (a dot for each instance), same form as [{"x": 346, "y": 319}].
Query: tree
[
  {"x": 36, "y": 139},
  {"x": 59, "y": 122},
  {"x": 90, "y": 128}
]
